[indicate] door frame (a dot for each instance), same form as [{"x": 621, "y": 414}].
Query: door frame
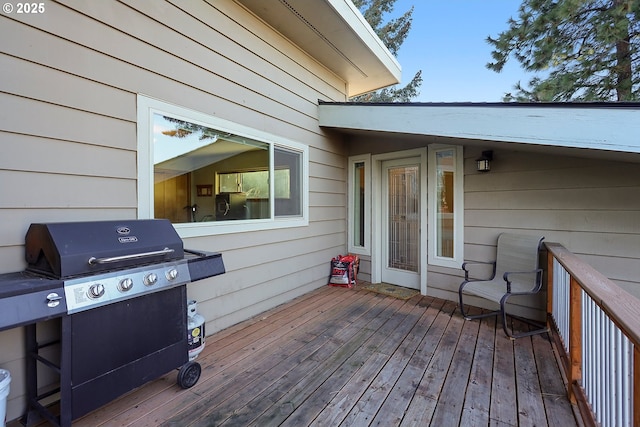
[{"x": 377, "y": 176}]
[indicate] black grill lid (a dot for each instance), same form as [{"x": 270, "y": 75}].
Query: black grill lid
[{"x": 68, "y": 249}]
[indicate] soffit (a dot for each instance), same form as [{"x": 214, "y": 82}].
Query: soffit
[
  {"x": 600, "y": 130},
  {"x": 335, "y": 34}
]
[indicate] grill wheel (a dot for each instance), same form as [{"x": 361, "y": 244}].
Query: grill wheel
[{"x": 189, "y": 374}]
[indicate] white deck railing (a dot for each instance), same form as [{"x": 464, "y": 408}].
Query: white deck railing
[{"x": 596, "y": 323}]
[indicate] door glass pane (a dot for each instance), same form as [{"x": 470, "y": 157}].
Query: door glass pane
[
  {"x": 404, "y": 218},
  {"x": 358, "y": 204},
  {"x": 444, "y": 215}
]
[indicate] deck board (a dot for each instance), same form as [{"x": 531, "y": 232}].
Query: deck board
[
  {"x": 475, "y": 411},
  {"x": 530, "y": 403},
  {"x": 350, "y": 357},
  {"x": 458, "y": 376},
  {"x": 504, "y": 406}
]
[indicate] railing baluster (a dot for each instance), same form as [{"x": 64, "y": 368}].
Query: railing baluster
[
  {"x": 624, "y": 391},
  {"x": 615, "y": 376},
  {"x": 589, "y": 346},
  {"x": 604, "y": 372},
  {"x": 561, "y": 302},
  {"x": 636, "y": 384}
]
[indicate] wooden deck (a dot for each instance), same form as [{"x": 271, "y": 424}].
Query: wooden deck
[{"x": 351, "y": 357}]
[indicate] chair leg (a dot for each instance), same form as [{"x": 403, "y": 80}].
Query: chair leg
[
  {"x": 475, "y": 316},
  {"x": 541, "y": 329}
]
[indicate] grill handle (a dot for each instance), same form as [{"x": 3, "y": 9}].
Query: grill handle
[{"x": 94, "y": 260}]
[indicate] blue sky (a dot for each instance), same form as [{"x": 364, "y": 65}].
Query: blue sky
[{"x": 447, "y": 42}]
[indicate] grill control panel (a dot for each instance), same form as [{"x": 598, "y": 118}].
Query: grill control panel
[{"x": 85, "y": 293}]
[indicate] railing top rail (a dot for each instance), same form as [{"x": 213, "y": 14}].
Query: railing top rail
[{"x": 622, "y": 307}]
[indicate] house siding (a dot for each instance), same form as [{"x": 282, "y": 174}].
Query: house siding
[
  {"x": 589, "y": 205},
  {"x": 71, "y": 77}
]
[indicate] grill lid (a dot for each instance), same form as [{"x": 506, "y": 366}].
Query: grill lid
[{"x": 69, "y": 249}]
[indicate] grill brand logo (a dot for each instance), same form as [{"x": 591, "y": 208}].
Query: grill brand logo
[
  {"x": 123, "y": 231},
  {"x": 127, "y": 239}
]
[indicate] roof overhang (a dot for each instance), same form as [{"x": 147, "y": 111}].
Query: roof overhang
[
  {"x": 597, "y": 128},
  {"x": 336, "y": 34}
]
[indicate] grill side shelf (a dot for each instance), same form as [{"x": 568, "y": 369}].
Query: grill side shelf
[
  {"x": 204, "y": 264},
  {"x": 26, "y": 299}
]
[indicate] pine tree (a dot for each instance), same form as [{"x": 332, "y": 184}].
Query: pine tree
[
  {"x": 590, "y": 49},
  {"x": 392, "y": 33}
]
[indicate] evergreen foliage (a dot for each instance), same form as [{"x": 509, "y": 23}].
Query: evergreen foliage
[
  {"x": 589, "y": 48},
  {"x": 392, "y": 33}
]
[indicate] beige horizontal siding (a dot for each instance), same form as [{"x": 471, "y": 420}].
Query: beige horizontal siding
[
  {"x": 46, "y": 190},
  {"x": 35, "y": 153},
  {"x": 554, "y": 198},
  {"x": 12, "y": 257},
  {"x": 328, "y": 200},
  {"x": 588, "y": 205},
  {"x": 15, "y": 227},
  {"x": 55, "y": 121},
  {"x": 584, "y": 220},
  {"x": 53, "y": 86}
]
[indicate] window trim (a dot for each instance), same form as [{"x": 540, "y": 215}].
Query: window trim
[
  {"x": 351, "y": 247},
  {"x": 458, "y": 210},
  {"x": 147, "y": 107}
]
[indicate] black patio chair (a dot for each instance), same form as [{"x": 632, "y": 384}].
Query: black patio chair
[{"x": 515, "y": 273}]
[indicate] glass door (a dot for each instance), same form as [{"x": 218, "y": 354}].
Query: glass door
[{"x": 401, "y": 222}]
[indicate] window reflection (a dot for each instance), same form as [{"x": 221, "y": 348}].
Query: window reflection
[
  {"x": 191, "y": 159},
  {"x": 445, "y": 162}
]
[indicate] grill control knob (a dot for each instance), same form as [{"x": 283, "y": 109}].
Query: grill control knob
[
  {"x": 150, "y": 279},
  {"x": 125, "y": 285},
  {"x": 95, "y": 291},
  {"x": 53, "y": 300},
  {"x": 172, "y": 274}
]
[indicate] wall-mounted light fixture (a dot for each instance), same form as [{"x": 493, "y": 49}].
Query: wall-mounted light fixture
[{"x": 483, "y": 164}]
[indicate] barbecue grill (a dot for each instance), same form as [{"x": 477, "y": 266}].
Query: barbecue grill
[{"x": 119, "y": 290}]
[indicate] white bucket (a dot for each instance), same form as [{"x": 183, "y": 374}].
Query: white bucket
[{"x": 5, "y": 381}]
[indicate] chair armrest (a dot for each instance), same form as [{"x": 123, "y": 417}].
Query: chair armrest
[
  {"x": 538, "y": 284},
  {"x": 466, "y": 272}
]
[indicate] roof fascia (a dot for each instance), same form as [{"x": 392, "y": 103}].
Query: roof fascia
[
  {"x": 370, "y": 39},
  {"x": 335, "y": 34},
  {"x": 589, "y": 127}
]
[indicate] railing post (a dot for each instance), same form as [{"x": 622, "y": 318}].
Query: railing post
[{"x": 575, "y": 337}]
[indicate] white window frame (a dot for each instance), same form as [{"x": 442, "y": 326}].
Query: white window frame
[
  {"x": 458, "y": 207},
  {"x": 366, "y": 248},
  {"x": 147, "y": 107}
]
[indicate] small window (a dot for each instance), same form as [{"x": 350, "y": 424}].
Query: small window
[
  {"x": 359, "y": 202},
  {"x": 445, "y": 203},
  {"x": 446, "y": 198},
  {"x": 287, "y": 182},
  {"x": 205, "y": 172}
]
